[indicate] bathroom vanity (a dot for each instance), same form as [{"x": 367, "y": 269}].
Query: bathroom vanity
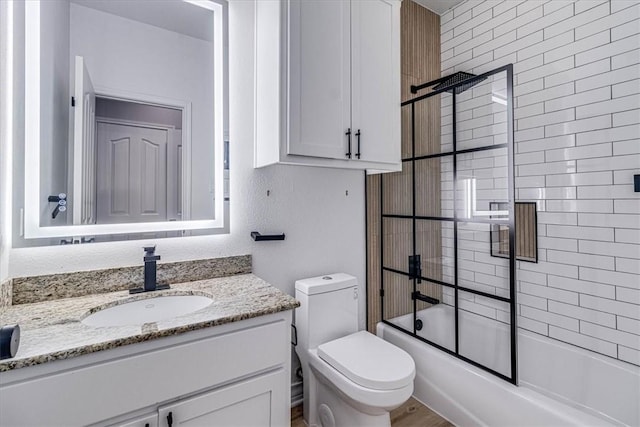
[{"x": 228, "y": 363}]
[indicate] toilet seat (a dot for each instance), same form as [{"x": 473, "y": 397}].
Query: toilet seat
[
  {"x": 369, "y": 361},
  {"x": 363, "y": 397}
]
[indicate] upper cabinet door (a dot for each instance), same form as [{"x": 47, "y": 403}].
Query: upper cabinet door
[
  {"x": 320, "y": 78},
  {"x": 375, "y": 32}
]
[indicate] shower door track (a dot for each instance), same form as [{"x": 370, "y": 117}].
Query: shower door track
[{"x": 510, "y": 222}]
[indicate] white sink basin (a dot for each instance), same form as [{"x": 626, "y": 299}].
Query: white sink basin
[{"x": 147, "y": 310}]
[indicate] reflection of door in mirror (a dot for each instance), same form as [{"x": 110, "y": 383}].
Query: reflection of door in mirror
[
  {"x": 132, "y": 177},
  {"x": 153, "y": 56},
  {"x": 139, "y": 162}
]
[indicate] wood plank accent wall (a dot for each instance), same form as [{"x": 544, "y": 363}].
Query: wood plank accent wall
[
  {"x": 373, "y": 250},
  {"x": 420, "y": 56}
]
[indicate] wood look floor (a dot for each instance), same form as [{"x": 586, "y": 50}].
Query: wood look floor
[{"x": 411, "y": 414}]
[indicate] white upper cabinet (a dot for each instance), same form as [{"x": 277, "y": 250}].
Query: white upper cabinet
[{"x": 328, "y": 83}]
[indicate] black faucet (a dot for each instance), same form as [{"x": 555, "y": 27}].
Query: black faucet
[{"x": 150, "y": 284}]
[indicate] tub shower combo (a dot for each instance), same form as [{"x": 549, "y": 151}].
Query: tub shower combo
[{"x": 442, "y": 252}]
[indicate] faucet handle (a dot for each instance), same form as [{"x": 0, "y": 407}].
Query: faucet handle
[
  {"x": 149, "y": 254},
  {"x": 149, "y": 249}
]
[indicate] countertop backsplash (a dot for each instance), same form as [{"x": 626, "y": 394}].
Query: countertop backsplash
[{"x": 26, "y": 290}]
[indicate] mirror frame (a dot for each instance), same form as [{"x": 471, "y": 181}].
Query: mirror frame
[{"x": 32, "y": 227}]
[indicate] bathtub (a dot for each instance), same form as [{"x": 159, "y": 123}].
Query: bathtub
[{"x": 560, "y": 385}]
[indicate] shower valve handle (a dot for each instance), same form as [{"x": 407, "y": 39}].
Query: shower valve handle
[{"x": 415, "y": 268}]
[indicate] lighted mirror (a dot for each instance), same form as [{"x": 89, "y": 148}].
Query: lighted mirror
[{"x": 126, "y": 125}]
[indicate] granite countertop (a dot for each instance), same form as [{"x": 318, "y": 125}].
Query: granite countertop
[{"x": 52, "y": 330}]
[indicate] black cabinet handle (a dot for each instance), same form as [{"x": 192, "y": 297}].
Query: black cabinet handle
[
  {"x": 348, "y": 133},
  {"x": 358, "y": 136},
  {"x": 170, "y": 419},
  {"x": 146, "y": 424}
]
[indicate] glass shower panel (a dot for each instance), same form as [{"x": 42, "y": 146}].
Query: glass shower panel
[
  {"x": 446, "y": 122},
  {"x": 482, "y": 184},
  {"x": 481, "y": 113},
  {"x": 406, "y": 142},
  {"x": 397, "y": 303},
  {"x": 397, "y": 188},
  {"x": 478, "y": 269},
  {"x": 436, "y": 323},
  {"x": 434, "y": 243},
  {"x": 484, "y": 331},
  {"x": 452, "y": 207},
  {"x": 397, "y": 243},
  {"x": 434, "y": 187},
  {"x": 433, "y": 125},
  {"x": 448, "y": 252}
]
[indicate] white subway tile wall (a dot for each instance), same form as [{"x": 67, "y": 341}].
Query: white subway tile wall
[{"x": 577, "y": 133}]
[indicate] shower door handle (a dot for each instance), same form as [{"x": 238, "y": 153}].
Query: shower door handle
[
  {"x": 348, "y": 133},
  {"x": 358, "y": 144}
]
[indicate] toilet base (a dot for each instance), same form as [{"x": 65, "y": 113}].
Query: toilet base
[{"x": 332, "y": 410}]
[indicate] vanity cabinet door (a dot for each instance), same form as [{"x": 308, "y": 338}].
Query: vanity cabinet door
[
  {"x": 144, "y": 421},
  {"x": 256, "y": 402}
]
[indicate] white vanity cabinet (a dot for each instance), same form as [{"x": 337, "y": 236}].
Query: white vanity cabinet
[
  {"x": 328, "y": 83},
  {"x": 233, "y": 374},
  {"x": 150, "y": 420},
  {"x": 253, "y": 402}
]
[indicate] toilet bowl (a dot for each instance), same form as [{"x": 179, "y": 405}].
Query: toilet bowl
[{"x": 351, "y": 378}]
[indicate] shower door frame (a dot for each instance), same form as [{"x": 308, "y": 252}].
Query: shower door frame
[{"x": 510, "y": 222}]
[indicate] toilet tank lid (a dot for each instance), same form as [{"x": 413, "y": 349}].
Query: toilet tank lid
[{"x": 326, "y": 283}]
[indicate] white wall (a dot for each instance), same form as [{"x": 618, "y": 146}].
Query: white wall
[
  {"x": 54, "y": 106},
  {"x": 577, "y": 134},
  {"x": 5, "y": 153},
  {"x": 324, "y": 227},
  {"x": 131, "y": 56}
]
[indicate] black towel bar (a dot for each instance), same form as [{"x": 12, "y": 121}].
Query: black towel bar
[{"x": 255, "y": 235}]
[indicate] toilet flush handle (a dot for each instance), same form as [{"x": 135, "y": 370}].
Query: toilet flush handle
[{"x": 294, "y": 335}]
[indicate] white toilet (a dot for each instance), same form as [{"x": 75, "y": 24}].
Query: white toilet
[{"x": 351, "y": 378}]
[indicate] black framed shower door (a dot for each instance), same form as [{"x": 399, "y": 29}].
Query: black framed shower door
[{"x": 435, "y": 253}]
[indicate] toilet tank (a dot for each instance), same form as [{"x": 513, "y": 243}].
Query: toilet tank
[{"x": 328, "y": 308}]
